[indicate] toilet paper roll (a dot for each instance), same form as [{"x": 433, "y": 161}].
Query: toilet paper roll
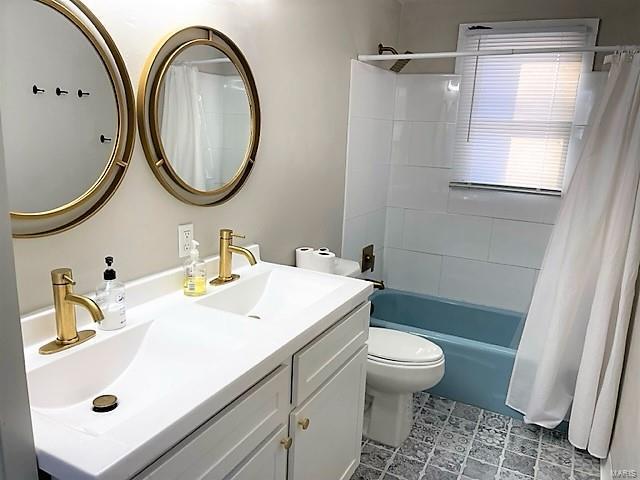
[
  {"x": 302, "y": 256},
  {"x": 322, "y": 261},
  {"x": 323, "y": 249}
]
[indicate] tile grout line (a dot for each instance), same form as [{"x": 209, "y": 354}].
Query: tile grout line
[
  {"x": 538, "y": 459},
  {"x": 473, "y": 436},
  {"x": 423, "y": 472},
  {"x": 504, "y": 448}
]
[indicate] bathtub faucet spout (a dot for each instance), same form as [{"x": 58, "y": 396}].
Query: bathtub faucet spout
[{"x": 377, "y": 284}]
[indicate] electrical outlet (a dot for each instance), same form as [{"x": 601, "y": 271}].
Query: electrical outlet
[{"x": 185, "y": 236}]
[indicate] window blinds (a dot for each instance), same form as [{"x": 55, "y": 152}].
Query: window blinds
[{"x": 516, "y": 111}]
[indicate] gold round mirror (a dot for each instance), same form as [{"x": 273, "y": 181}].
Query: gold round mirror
[
  {"x": 68, "y": 119},
  {"x": 199, "y": 116}
]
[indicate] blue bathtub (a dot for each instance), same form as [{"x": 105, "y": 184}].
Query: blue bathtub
[{"x": 479, "y": 343}]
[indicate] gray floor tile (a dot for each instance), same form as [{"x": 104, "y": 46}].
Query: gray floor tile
[
  {"x": 490, "y": 436},
  {"x": 549, "y": 471},
  {"x": 374, "y": 456},
  {"x": 460, "y": 425},
  {"x": 486, "y": 453},
  {"x": 425, "y": 432},
  {"x": 433, "y": 417},
  {"x": 584, "y": 476},
  {"x": 519, "y": 463},
  {"x": 415, "y": 448},
  {"x": 405, "y": 467},
  {"x": 366, "y": 473},
  {"x": 479, "y": 471},
  {"x": 438, "y": 403},
  {"x": 420, "y": 397},
  {"x": 447, "y": 460},
  {"x": 532, "y": 432},
  {"x": 506, "y": 474},
  {"x": 556, "y": 455},
  {"x": 468, "y": 412},
  {"x": 463, "y": 442},
  {"x": 585, "y": 463},
  {"x": 454, "y": 441},
  {"x": 554, "y": 437},
  {"x": 379, "y": 445},
  {"x": 522, "y": 445},
  {"x": 434, "y": 473},
  {"x": 494, "y": 420}
]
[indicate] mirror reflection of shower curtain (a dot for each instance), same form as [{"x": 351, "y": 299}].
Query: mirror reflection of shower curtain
[
  {"x": 185, "y": 130},
  {"x": 572, "y": 351}
]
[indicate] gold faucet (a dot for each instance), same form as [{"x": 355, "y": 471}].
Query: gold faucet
[
  {"x": 227, "y": 249},
  {"x": 64, "y": 301}
]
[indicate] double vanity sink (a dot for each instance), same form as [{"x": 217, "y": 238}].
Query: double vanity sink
[{"x": 182, "y": 364}]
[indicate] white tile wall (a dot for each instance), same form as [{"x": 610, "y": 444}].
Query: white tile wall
[
  {"x": 371, "y": 112},
  {"x": 421, "y": 188},
  {"x": 372, "y": 92},
  {"x": 427, "y": 98},
  {"x": 519, "y": 243},
  {"x": 394, "y": 228},
  {"x": 478, "y": 246},
  {"x": 426, "y": 144},
  {"x": 412, "y": 271},
  {"x": 508, "y": 205},
  {"x": 445, "y": 234},
  {"x": 487, "y": 283}
]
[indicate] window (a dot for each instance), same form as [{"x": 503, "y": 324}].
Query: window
[{"x": 516, "y": 111}]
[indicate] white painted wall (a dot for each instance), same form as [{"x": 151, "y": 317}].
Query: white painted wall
[
  {"x": 299, "y": 52},
  {"x": 478, "y": 246}
]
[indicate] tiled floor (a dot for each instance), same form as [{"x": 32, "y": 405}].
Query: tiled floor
[{"x": 454, "y": 441}]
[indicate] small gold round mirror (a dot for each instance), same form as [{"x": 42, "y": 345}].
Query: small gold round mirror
[{"x": 199, "y": 116}]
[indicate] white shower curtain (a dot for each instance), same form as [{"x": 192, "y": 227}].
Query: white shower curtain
[
  {"x": 184, "y": 129},
  {"x": 572, "y": 349}
]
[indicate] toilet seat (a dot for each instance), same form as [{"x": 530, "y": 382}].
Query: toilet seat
[
  {"x": 393, "y": 347},
  {"x": 397, "y": 363}
]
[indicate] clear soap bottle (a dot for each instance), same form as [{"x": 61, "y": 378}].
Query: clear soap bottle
[
  {"x": 195, "y": 273},
  {"x": 110, "y": 297}
]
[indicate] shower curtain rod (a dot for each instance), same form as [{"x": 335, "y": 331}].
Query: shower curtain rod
[{"x": 502, "y": 51}]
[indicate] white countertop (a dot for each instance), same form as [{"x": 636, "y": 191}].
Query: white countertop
[{"x": 242, "y": 351}]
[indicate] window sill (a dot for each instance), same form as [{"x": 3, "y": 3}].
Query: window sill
[{"x": 506, "y": 188}]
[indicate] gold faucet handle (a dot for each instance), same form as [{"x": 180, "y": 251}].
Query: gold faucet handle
[
  {"x": 237, "y": 235},
  {"x": 62, "y": 276}
]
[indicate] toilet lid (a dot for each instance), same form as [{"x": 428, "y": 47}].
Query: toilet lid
[{"x": 401, "y": 346}]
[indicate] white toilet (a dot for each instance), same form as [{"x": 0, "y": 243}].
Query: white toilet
[{"x": 399, "y": 365}]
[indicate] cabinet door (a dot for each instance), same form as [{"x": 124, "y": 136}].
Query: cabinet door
[
  {"x": 269, "y": 462},
  {"x": 329, "y": 447},
  {"x": 216, "y": 448}
]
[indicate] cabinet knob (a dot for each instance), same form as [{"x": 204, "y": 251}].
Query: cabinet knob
[
  {"x": 286, "y": 443},
  {"x": 304, "y": 423}
]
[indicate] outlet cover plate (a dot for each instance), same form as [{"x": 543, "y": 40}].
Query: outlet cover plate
[{"x": 185, "y": 235}]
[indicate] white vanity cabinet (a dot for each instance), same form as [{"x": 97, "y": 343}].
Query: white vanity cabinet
[
  {"x": 301, "y": 422},
  {"x": 269, "y": 462},
  {"x": 329, "y": 446}
]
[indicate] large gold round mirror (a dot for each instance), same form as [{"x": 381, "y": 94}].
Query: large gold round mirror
[
  {"x": 68, "y": 116},
  {"x": 199, "y": 116}
]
